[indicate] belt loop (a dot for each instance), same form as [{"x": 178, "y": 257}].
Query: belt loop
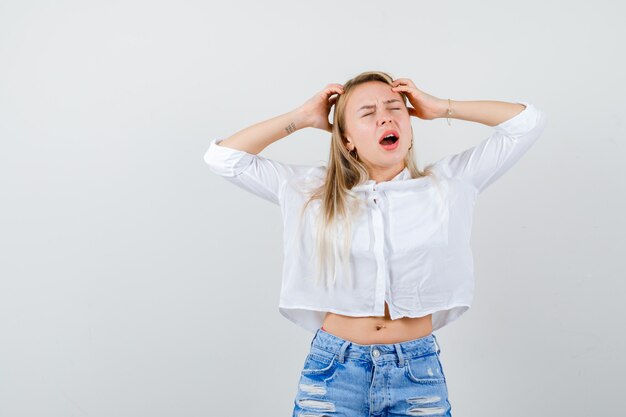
[
  {"x": 343, "y": 350},
  {"x": 436, "y": 343},
  {"x": 400, "y": 356},
  {"x": 313, "y": 338}
]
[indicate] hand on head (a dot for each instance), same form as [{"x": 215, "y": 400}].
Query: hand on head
[
  {"x": 425, "y": 106},
  {"x": 317, "y": 108}
]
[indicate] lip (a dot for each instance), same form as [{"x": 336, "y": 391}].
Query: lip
[
  {"x": 387, "y": 132},
  {"x": 391, "y": 147}
]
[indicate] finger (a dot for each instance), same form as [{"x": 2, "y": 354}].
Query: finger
[
  {"x": 400, "y": 81},
  {"x": 332, "y": 92},
  {"x": 334, "y": 87},
  {"x": 405, "y": 82},
  {"x": 401, "y": 88},
  {"x": 327, "y": 93},
  {"x": 332, "y": 100}
]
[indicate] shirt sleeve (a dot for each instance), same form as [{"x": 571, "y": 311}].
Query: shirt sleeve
[
  {"x": 484, "y": 163},
  {"x": 261, "y": 176}
]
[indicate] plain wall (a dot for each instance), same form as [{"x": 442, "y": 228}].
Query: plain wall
[{"x": 135, "y": 282}]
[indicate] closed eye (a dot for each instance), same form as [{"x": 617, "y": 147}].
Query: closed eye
[{"x": 373, "y": 112}]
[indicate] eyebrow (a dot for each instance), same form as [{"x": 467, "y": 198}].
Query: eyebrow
[{"x": 371, "y": 106}]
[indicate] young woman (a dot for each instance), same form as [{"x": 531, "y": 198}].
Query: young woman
[{"x": 376, "y": 251}]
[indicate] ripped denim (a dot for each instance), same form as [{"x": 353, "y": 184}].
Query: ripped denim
[{"x": 343, "y": 378}]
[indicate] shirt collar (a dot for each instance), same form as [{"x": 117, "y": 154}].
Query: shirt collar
[
  {"x": 405, "y": 174},
  {"x": 402, "y": 175}
]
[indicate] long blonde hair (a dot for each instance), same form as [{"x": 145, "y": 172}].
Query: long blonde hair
[{"x": 339, "y": 205}]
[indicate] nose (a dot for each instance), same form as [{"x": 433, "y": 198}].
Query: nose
[{"x": 385, "y": 118}]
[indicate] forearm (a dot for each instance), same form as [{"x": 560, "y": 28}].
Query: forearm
[
  {"x": 487, "y": 112},
  {"x": 257, "y": 137}
]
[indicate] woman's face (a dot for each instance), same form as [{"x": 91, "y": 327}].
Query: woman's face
[{"x": 371, "y": 111}]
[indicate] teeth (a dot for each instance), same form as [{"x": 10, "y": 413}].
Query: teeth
[{"x": 391, "y": 135}]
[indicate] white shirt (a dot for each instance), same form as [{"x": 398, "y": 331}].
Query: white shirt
[{"x": 411, "y": 246}]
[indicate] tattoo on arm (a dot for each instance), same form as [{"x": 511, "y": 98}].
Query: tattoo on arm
[{"x": 291, "y": 128}]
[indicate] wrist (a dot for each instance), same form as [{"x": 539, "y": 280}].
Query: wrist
[
  {"x": 444, "y": 105},
  {"x": 300, "y": 118}
]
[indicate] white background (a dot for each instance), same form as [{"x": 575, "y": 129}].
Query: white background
[{"x": 135, "y": 282}]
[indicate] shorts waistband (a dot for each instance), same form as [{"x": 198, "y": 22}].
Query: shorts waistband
[{"x": 328, "y": 344}]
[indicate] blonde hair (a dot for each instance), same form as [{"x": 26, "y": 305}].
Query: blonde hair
[{"x": 338, "y": 204}]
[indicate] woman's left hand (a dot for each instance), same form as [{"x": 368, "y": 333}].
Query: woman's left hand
[{"x": 425, "y": 106}]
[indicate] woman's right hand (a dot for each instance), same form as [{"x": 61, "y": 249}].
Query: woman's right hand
[{"x": 316, "y": 109}]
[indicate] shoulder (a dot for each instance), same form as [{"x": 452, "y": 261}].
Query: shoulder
[{"x": 308, "y": 177}]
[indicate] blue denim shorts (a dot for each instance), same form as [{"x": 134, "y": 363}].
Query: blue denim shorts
[{"x": 342, "y": 378}]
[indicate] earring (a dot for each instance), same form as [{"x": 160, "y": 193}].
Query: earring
[{"x": 411, "y": 144}]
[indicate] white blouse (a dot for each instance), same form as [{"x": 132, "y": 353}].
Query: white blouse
[{"x": 411, "y": 246}]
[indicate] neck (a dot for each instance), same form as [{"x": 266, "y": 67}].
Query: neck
[{"x": 385, "y": 174}]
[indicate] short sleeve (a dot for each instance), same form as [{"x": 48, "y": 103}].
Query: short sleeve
[
  {"x": 484, "y": 163},
  {"x": 261, "y": 176}
]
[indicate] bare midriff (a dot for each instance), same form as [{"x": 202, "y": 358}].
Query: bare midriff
[{"x": 377, "y": 329}]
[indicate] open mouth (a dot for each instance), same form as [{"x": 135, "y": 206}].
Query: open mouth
[{"x": 389, "y": 139}]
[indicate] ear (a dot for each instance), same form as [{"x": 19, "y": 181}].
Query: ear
[{"x": 349, "y": 143}]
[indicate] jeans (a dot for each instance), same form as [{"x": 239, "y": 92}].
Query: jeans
[{"x": 342, "y": 378}]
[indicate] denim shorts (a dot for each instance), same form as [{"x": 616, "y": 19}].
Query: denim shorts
[{"x": 342, "y": 378}]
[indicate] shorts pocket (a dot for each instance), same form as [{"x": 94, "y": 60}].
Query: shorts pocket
[
  {"x": 319, "y": 364},
  {"x": 424, "y": 369}
]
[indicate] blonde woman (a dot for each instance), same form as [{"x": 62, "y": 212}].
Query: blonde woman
[{"x": 376, "y": 251}]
